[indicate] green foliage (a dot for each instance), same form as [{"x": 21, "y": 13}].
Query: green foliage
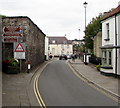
[
  {"x": 91, "y": 31},
  {"x": 2, "y": 16},
  {"x": 11, "y": 61},
  {"x": 98, "y": 67}
]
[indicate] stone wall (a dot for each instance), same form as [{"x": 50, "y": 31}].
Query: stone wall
[
  {"x": 32, "y": 36},
  {"x": 97, "y": 45}
]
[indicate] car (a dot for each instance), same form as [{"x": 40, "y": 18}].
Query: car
[
  {"x": 68, "y": 56},
  {"x": 63, "y": 57}
]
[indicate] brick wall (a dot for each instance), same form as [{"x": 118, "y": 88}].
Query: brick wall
[{"x": 32, "y": 36}]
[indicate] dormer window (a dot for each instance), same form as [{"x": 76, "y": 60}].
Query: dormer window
[{"x": 64, "y": 42}]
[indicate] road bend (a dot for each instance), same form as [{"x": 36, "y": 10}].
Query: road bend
[{"x": 59, "y": 86}]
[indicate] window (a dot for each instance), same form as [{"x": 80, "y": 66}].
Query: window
[
  {"x": 104, "y": 61},
  {"x": 62, "y": 46},
  {"x": 67, "y": 46},
  {"x": 64, "y": 42},
  {"x": 107, "y": 32},
  {"x": 53, "y": 51},
  {"x": 110, "y": 58},
  {"x": 107, "y": 57}
]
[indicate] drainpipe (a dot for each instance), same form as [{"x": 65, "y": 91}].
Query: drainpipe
[{"x": 116, "y": 45}]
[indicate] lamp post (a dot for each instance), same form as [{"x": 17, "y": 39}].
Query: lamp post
[
  {"x": 85, "y": 6},
  {"x": 79, "y": 34}
]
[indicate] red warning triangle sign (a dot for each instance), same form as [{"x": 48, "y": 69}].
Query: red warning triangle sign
[{"x": 19, "y": 48}]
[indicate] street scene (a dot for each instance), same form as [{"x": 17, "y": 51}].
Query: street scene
[{"x": 45, "y": 63}]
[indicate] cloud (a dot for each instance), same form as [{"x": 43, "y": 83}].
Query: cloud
[{"x": 57, "y": 17}]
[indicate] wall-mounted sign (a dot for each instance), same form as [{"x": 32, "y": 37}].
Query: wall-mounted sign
[{"x": 12, "y": 33}]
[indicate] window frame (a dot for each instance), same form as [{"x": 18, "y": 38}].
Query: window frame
[
  {"x": 107, "y": 32},
  {"x": 107, "y": 57}
]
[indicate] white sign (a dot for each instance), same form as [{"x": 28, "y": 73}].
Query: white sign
[{"x": 19, "y": 55}]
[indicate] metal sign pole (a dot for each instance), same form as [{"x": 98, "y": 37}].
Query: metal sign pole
[{"x": 20, "y": 65}]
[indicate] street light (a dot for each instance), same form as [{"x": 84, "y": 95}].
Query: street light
[
  {"x": 85, "y": 6},
  {"x": 79, "y": 34}
]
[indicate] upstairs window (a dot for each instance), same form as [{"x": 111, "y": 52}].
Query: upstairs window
[{"x": 107, "y": 32}]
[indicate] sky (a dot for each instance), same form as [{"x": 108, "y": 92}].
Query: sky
[{"x": 58, "y": 17}]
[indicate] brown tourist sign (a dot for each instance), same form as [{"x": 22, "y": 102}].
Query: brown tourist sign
[{"x": 11, "y": 33}]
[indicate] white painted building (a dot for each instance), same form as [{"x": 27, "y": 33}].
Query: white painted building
[
  {"x": 111, "y": 42},
  {"x": 46, "y": 47},
  {"x": 60, "y": 45}
]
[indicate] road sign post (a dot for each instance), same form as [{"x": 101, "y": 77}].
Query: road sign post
[{"x": 19, "y": 52}]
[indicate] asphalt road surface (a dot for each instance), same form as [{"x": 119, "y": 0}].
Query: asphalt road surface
[{"x": 59, "y": 86}]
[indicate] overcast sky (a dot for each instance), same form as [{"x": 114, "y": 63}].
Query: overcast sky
[{"x": 58, "y": 17}]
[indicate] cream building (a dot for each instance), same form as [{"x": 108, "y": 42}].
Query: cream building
[{"x": 60, "y": 45}]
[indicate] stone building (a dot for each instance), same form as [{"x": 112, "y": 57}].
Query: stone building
[
  {"x": 22, "y": 29},
  {"x": 98, "y": 44}
]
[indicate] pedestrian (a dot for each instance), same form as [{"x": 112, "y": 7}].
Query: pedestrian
[
  {"x": 73, "y": 57},
  {"x": 50, "y": 56}
]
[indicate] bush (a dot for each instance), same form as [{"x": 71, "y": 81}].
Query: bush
[
  {"x": 98, "y": 67},
  {"x": 95, "y": 60}
]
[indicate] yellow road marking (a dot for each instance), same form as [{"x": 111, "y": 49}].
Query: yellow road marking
[
  {"x": 36, "y": 91},
  {"x": 80, "y": 77}
]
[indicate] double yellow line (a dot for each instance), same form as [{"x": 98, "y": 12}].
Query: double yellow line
[{"x": 37, "y": 92}]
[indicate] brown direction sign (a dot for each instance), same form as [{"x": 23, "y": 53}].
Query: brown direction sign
[{"x": 11, "y": 33}]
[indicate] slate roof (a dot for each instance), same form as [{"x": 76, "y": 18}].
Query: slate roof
[
  {"x": 112, "y": 13},
  {"x": 59, "y": 40}
]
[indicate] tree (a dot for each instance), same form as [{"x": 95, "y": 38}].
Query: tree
[
  {"x": 91, "y": 31},
  {"x": 2, "y": 16}
]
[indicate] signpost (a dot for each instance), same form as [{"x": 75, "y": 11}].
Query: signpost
[{"x": 19, "y": 52}]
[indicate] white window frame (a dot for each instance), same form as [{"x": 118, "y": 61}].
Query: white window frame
[
  {"x": 107, "y": 32},
  {"x": 107, "y": 57}
]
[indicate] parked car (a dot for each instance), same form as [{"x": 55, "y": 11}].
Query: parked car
[
  {"x": 63, "y": 56},
  {"x": 68, "y": 56}
]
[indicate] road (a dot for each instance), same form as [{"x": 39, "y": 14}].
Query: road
[{"x": 59, "y": 86}]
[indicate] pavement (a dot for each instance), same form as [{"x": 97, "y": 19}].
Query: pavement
[
  {"x": 17, "y": 89},
  {"x": 89, "y": 72}
]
